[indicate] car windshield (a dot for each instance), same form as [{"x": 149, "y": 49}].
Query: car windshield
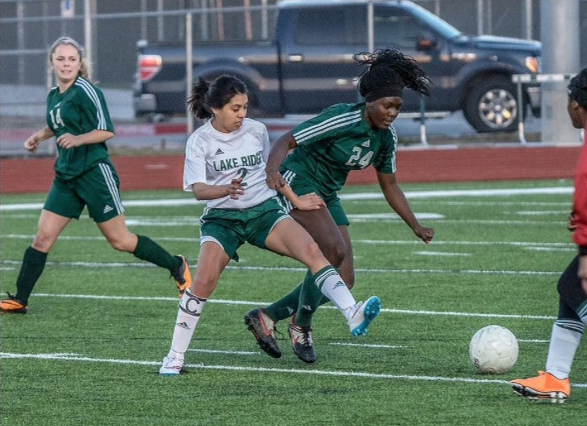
[{"x": 442, "y": 27}]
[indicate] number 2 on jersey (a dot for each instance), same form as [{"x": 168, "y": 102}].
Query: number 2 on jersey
[{"x": 362, "y": 162}]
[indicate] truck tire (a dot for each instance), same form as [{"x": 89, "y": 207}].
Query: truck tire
[{"x": 492, "y": 106}]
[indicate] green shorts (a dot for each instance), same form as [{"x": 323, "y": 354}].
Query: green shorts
[
  {"x": 97, "y": 188},
  {"x": 302, "y": 186},
  {"x": 231, "y": 228}
]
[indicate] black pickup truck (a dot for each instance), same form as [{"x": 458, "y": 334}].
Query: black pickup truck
[{"x": 308, "y": 65}]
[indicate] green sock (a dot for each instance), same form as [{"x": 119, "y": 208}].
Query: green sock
[
  {"x": 286, "y": 306},
  {"x": 149, "y": 250},
  {"x": 310, "y": 298},
  {"x": 32, "y": 267}
]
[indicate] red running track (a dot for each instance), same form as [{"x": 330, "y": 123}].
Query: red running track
[{"x": 27, "y": 175}]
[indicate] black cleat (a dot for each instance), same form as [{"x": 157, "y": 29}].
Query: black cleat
[
  {"x": 301, "y": 340},
  {"x": 263, "y": 328}
]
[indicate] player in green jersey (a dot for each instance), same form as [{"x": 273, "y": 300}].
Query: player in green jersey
[
  {"x": 78, "y": 117},
  {"x": 326, "y": 148}
]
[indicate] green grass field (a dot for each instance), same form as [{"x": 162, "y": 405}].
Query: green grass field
[{"x": 100, "y": 321}]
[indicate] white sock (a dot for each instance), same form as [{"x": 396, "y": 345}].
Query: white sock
[
  {"x": 188, "y": 315},
  {"x": 563, "y": 345},
  {"x": 332, "y": 286}
]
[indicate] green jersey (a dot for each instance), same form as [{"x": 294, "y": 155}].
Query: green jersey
[
  {"x": 337, "y": 141},
  {"x": 78, "y": 110}
]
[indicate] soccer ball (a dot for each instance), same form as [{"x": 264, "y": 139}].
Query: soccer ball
[{"x": 493, "y": 349}]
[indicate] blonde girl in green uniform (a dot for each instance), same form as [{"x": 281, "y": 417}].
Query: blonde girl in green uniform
[{"x": 77, "y": 116}]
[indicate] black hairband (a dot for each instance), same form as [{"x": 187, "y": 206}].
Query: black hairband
[{"x": 394, "y": 90}]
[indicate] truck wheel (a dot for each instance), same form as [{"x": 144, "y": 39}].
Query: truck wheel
[{"x": 492, "y": 106}]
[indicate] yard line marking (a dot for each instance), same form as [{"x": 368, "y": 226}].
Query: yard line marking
[
  {"x": 298, "y": 269},
  {"x": 533, "y": 341},
  {"x": 176, "y": 202},
  {"x": 335, "y": 373},
  {"x": 439, "y": 253},
  {"x": 250, "y": 303},
  {"x": 569, "y": 249},
  {"x": 467, "y": 243},
  {"x": 383, "y": 242},
  {"x": 214, "y": 351},
  {"x": 368, "y": 345},
  {"x": 96, "y": 238},
  {"x": 543, "y": 212}
]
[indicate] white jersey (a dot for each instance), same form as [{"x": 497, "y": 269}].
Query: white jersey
[{"x": 216, "y": 158}]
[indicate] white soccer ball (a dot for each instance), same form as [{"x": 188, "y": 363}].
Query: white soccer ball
[{"x": 493, "y": 349}]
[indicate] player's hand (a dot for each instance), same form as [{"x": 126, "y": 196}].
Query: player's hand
[
  {"x": 309, "y": 202},
  {"x": 235, "y": 189},
  {"x": 31, "y": 144},
  {"x": 69, "y": 141},
  {"x": 425, "y": 234},
  {"x": 582, "y": 273},
  {"x": 275, "y": 180},
  {"x": 571, "y": 224}
]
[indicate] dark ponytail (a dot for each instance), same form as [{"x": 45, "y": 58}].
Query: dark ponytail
[
  {"x": 391, "y": 68},
  {"x": 207, "y": 96}
]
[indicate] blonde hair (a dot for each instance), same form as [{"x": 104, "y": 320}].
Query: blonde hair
[{"x": 84, "y": 65}]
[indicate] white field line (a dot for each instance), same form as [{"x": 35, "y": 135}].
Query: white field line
[
  {"x": 332, "y": 373},
  {"x": 257, "y": 303},
  {"x": 298, "y": 269},
  {"x": 533, "y": 341},
  {"x": 214, "y": 351},
  {"x": 176, "y": 202},
  {"x": 359, "y": 345},
  {"x": 543, "y": 212},
  {"x": 439, "y": 253},
  {"x": 383, "y": 242}
]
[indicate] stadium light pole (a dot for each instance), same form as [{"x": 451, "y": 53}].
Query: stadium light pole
[{"x": 559, "y": 28}]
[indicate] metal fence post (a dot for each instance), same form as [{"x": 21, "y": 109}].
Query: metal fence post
[{"x": 189, "y": 71}]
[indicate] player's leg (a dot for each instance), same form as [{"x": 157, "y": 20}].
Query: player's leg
[
  {"x": 320, "y": 225},
  {"x": 211, "y": 262},
  {"x": 144, "y": 248},
  {"x": 565, "y": 338},
  {"x": 49, "y": 228},
  {"x": 99, "y": 188}
]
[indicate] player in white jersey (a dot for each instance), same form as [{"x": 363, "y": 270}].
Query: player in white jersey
[{"x": 225, "y": 165}]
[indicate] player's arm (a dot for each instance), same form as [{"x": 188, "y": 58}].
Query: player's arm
[
  {"x": 68, "y": 140},
  {"x": 32, "y": 143},
  {"x": 277, "y": 154},
  {"x": 305, "y": 202},
  {"x": 203, "y": 191},
  {"x": 398, "y": 202}
]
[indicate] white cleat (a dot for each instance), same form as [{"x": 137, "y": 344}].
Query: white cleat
[
  {"x": 364, "y": 314},
  {"x": 172, "y": 365}
]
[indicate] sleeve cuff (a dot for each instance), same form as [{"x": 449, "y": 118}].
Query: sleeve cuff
[{"x": 582, "y": 250}]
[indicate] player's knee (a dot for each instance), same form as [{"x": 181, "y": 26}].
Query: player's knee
[
  {"x": 335, "y": 255},
  {"x": 43, "y": 242},
  {"x": 122, "y": 244}
]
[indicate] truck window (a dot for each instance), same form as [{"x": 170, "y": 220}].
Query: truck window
[
  {"x": 395, "y": 28},
  {"x": 330, "y": 26}
]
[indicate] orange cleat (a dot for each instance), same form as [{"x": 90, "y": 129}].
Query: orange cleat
[
  {"x": 12, "y": 306},
  {"x": 182, "y": 276},
  {"x": 543, "y": 386}
]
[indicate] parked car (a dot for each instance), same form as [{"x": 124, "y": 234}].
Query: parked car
[{"x": 308, "y": 65}]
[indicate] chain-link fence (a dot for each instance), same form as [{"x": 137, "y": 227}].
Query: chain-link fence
[{"x": 110, "y": 30}]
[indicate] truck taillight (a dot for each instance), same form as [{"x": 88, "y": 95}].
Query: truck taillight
[{"x": 149, "y": 65}]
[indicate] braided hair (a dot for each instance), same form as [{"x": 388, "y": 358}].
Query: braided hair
[
  {"x": 389, "y": 71},
  {"x": 577, "y": 88}
]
